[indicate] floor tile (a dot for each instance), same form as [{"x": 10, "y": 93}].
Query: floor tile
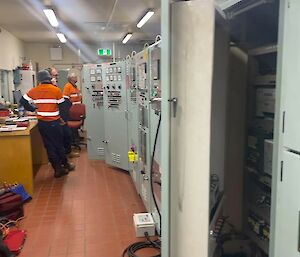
[{"x": 86, "y": 214}]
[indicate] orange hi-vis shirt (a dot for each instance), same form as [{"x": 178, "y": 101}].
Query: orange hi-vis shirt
[
  {"x": 46, "y": 98},
  {"x": 73, "y": 93}
]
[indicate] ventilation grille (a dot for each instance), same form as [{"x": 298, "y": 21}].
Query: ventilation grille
[
  {"x": 101, "y": 151},
  {"x": 116, "y": 158}
]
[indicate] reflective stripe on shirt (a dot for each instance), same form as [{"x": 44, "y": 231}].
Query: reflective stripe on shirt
[
  {"x": 76, "y": 103},
  {"x": 45, "y": 101},
  {"x": 61, "y": 100},
  {"x": 48, "y": 114},
  {"x": 26, "y": 97},
  {"x": 48, "y": 101}
]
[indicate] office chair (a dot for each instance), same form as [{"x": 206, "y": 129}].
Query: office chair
[{"x": 75, "y": 123}]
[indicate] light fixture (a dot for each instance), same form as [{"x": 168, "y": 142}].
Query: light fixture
[
  {"x": 51, "y": 17},
  {"x": 146, "y": 17},
  {"x": 61, "y": 37},
  {"x": 126, "y": 38}
]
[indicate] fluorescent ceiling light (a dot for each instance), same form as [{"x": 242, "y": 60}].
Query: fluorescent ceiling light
[
  {"x": 147, "y": 16},
  {"x": 126, "y": 38},
  {"x": 61, "y": 37},
  {"x": 51, "y": 17}
]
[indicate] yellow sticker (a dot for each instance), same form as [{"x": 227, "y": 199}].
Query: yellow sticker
[
  {"x": 136, "y": 157},
  {"x": 131, "y": 156},
  {"x": 145, "y": 54}
]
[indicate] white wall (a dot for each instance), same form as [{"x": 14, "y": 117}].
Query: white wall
[
  {"x": 11, "y": 55},
  {"x": 40, "y": 53},
  {"x": 11, "y": 52}
]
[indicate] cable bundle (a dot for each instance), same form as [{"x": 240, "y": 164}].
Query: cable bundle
[{"x": 132, "y": 249}]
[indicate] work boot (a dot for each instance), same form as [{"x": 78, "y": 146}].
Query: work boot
[
  {"x": 59, "y": 172},
  {"x": 73, "y": 155},
  {"x": 69, "y": 166}
]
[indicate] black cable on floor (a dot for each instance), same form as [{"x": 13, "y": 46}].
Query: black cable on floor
[{"x": 132, "y": 249}]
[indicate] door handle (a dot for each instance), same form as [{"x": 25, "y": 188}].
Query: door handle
[{"x": 174, "y": 102}]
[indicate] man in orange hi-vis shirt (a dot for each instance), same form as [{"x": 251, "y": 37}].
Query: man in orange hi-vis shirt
[
  {"x": 71, "y": 91},
  {"x": 49, "y": 104}
]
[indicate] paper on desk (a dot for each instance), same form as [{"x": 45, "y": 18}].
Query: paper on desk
[{"x": 9, "y": 128}]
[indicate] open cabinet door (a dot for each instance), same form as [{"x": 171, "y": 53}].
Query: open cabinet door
[
  {"x": 289, "y": 221},
  {"x": 192, "y": 47},
  {"x": 291, "y": 75},
  {"x": 285, "y": 232}
]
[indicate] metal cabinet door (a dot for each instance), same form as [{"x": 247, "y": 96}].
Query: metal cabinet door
[
  {"x": 191, "y": 84},
  {"x": 289, "y": 207},
  {"x": 94, "y": 122},
  {"x": 291, "y": 74}
]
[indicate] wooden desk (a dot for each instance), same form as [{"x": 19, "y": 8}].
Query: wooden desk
[{"x": 21, "y": 153}]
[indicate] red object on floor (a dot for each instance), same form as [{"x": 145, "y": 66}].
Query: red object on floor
[{"x": 15, "y": 240}]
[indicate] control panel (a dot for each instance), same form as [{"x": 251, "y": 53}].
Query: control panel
[
  {"x": 93, "y": 98},
  {"x": 114, "y": 84},
  {"x": 115, "y": 114},
  {"x": 94, "y": 83}
]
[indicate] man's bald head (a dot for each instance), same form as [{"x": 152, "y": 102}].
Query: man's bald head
[{"x": 72, "y": 78}]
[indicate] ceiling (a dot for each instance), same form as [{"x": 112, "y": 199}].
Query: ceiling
[{"x": 82, "y": 21}]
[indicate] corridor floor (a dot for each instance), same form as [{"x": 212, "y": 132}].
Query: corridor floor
[{"x": 85, "y": 214}]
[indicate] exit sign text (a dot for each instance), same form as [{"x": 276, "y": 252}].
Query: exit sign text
[{"x": 104, "y": 52}]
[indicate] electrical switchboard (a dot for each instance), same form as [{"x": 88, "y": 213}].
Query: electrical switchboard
[
  {"x": 133, "y": 123},
  {"x": 144, "y": 126},
  {"x": 115, "y": 114},
  {"x": 154, "y": 128},
  {"x": 93, "y": 99}
]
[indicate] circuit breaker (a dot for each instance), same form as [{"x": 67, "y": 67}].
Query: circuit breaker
[
  {"x": 115, "y": 115},
  {"x": 92, "y": 88}
]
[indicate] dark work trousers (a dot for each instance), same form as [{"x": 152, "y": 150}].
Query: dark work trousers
[
  {"x": 52, "y": 135},
  {"x": 67, "y": 138}
]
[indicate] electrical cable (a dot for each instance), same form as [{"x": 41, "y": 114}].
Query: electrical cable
[
  {"x": 151, "y": 172},
  {"x": 132, "y": 249}
]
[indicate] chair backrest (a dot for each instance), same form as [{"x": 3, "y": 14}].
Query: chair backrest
[{"x": 77, "y": 112}]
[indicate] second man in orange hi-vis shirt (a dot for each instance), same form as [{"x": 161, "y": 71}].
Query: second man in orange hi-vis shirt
[
  {"x": 66, "y": 130},
  {"x": 71, "y": 91},
  {"x": 49, "y": 104}
]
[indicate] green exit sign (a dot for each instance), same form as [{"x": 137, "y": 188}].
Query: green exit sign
[{"x": 104, "y": 52}]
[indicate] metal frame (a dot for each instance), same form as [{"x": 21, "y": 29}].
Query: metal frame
[{"x": 165, "y": 126}]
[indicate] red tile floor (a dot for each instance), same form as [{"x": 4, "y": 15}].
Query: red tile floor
[{"x": 85, "y": 214}]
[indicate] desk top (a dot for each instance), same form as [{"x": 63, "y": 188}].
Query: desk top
[{"x": 19, "y": 133}]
